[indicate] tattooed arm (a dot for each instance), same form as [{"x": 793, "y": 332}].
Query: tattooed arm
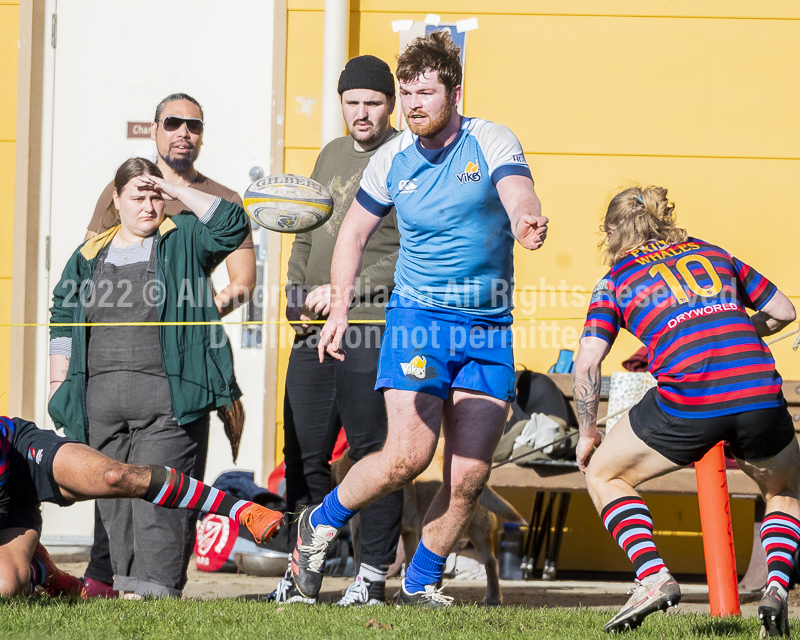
[{"x": 586, "y": 391}]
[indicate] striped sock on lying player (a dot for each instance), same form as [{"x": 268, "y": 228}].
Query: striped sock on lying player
[
  {"x": 172, "y": 489},
  {"x": 780, "y": 536},
  {"x": 38, "y": 573},
  {"x": 628, "y": 520}
]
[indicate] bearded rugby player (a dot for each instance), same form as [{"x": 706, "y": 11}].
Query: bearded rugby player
[{"x": 463, "y": 194}]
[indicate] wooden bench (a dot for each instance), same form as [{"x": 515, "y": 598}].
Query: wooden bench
[{"x": 561, "y": 481}]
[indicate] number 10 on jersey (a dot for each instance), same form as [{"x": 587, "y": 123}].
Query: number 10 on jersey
[{"x": 683, "y": 268}]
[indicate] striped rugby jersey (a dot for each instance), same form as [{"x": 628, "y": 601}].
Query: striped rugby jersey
[
  {"x": 686, "y": 303},
  {"x": 7, "y": 430}
]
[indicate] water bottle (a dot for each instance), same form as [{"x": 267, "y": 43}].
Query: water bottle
[{"x": 512, "y": 542}]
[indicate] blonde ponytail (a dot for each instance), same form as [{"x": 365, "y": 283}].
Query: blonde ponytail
[{"x": 635, "y": 217}]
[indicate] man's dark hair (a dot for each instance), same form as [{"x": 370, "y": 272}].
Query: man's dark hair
[
  {"x": 434, "y": 52},
  {"x": 172, "y": 98}
]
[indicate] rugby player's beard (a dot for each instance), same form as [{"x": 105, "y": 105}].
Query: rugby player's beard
[
  {"x": 180, "y": 164},
  {"x": 435, "y": 125}
]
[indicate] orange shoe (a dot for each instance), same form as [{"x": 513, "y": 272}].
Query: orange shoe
[
  {"x": 263, "y": 523},
  {"x": 56, "y": 582}
]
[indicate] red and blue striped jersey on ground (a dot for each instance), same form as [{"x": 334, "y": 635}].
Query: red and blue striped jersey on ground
[
  {"x": 7, "y": 430},
  {"x": 686, "y": 303}
]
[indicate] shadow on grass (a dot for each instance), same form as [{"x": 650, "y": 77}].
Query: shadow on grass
[
  {"x": 253, "y": 597},
  {"x": 723, "y": 627},
  {"x": 38, "y": 602}
]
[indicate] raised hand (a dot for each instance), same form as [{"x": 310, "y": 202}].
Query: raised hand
[{"x": 167, "y": 189}]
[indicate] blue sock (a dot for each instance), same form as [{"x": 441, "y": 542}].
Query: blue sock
[
  {"x": 331, "y": 512},
  {"x": 425, "y": 568}
]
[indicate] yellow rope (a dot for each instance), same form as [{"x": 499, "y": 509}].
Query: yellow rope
[
  {"x": 216, "y": 322},
  {"x": 784, "y": 336},
  {"x": 256, "y": 323}
]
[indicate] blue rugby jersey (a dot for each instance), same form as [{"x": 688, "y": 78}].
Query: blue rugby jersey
[
  {"x": 456, "y": 244},
  {"x": 686, "y": 303}
]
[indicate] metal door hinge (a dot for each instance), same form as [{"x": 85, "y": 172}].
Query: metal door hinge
[
  {"x": 53, "y": 31},
  {"x": 47, "y": 253}
]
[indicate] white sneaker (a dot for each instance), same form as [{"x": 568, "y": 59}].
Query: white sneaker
[
  {"x": 363, "y": 592},
  {"x": 645, "y": 599}
]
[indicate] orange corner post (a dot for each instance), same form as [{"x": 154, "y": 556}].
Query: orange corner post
[{"x": 715, "y": 518}]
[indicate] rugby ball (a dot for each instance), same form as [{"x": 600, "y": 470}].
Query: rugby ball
[{"x": 288, "y": 203}]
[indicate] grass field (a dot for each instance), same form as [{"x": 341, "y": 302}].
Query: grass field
[{"x": 240, "y": 619}]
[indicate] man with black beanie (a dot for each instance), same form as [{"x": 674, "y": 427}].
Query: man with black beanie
[{"x": 321, "y": 398}]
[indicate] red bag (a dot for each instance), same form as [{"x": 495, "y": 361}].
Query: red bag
[{"x": 214, "y": 542}]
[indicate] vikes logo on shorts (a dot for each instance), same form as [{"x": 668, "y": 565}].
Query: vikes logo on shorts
[
  {"x": 35, "y": 455},
  {"x": 416, "y": 367},
  {"x": 472, "y": 173}
]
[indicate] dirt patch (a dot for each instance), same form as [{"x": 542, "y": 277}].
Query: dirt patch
[{"x": 603, "y": 595}]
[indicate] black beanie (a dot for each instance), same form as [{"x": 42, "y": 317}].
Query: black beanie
[{"x": 367, "y": 72}]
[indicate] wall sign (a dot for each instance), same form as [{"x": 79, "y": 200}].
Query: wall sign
[{"x": 139, "y": 130}]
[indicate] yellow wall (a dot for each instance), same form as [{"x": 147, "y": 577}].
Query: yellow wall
[
  {"x": 9, "y": 37},
  {"x": 699, "y": 96}
]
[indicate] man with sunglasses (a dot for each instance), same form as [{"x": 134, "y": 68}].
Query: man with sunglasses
[{"x": 177, "y": 130}]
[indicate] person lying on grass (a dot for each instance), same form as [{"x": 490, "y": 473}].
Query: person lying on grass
[{"x": 36, "y": 466}]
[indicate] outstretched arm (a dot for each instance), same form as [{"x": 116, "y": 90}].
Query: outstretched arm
[
  {"x": 524, "y": 210},
  {"x": 586, "y": 391},
  {"x": 357, "y": 228}
]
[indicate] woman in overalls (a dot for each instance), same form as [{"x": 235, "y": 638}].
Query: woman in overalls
[{"x": 147, "y": 391}]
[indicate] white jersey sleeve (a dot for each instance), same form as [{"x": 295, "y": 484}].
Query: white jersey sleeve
[
  {"x": 373, "y": 193},
  {"x": 373, "y": 182},
  {"x": 501, "y": 150}
]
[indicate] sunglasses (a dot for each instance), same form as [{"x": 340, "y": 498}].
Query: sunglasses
[{"x": 173, "y": 123}]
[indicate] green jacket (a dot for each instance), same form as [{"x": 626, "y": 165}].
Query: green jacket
[{"x": 198, "y": 360}]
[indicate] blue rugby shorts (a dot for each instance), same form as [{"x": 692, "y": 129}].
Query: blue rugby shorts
[{"x": 432, "y": 350}]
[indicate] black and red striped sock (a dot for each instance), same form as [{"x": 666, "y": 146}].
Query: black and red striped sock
[
  {"x": 628, "y": 520},
  {"x": 780, "y": 537},
  {"x": 38, "y": 573},
  {"x": 172, "y": 489}
]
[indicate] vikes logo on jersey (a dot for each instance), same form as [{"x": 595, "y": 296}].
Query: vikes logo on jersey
[
  {"x": 415, "y": 368},
  {"x": 472, "y": 173}
]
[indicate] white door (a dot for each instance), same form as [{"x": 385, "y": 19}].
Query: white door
[{"x": 113, "y": 62}]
